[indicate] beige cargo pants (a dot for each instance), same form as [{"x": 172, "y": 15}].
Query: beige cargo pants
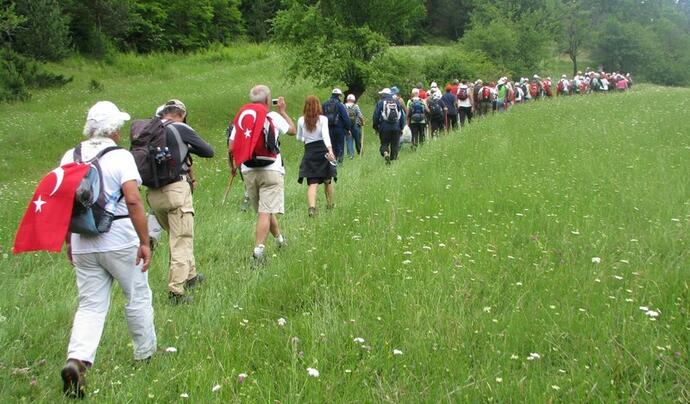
[{"x": 174, "y": 209}]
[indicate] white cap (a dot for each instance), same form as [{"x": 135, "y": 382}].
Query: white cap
[
  {"x": 337, "y": 91},
  {"x": 386, "y": 91},
  {"x": 159, "y": 111},
  {"x": 350, "y": 97},
  {"x": 433, "y": 84},
  {"x": 106, "y": 111},
  {"x": 501, "y": 81},
  {"x": 564, "y": 76},
  {"x": 536, "y": 77}
]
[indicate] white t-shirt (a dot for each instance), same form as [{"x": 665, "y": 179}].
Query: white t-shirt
[
  {"x": 466, "y": 102},
  {"x": 319, "y": 133},
  {"x": 282, "y": 127},
  {"x": 117, "y": 167}
]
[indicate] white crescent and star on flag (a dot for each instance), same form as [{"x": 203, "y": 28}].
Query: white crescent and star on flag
[
  {"x": 248, "y": 131},
  {"x": 59, "y": 177}
]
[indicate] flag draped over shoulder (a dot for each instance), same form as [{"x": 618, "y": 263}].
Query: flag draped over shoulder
[
  {"x": 46, "y": 220},
  {"x": 249, "y": 126}
]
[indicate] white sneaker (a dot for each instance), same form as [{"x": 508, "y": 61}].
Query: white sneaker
[{"x": 281, "y": 241}]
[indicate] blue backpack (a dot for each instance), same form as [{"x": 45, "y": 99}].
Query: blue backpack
[
  {"x": 93, "y": 211},
  {"x": 417, "y": 111}
]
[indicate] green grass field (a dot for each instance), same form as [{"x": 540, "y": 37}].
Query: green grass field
[{"x": 463, "y": 272}]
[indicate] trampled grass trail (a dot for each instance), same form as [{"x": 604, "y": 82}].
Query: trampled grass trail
[{"x": 539, "y": 255}]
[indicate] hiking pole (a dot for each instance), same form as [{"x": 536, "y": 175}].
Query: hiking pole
[
  {"x": 361, "y": 142},
  {"x": 227, "y": 190}
]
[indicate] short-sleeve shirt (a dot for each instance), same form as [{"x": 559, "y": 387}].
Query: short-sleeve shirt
[
  {"x": 282, "y": 127},
  {"x": 117, "y": 167}
]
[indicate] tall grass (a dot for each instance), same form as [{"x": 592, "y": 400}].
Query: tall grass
[{"x": 466, "y": 267}]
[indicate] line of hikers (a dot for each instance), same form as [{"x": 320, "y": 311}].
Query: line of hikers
[
  {"x": 459, "y": 102},
  {"x": 93, "y": 204}
]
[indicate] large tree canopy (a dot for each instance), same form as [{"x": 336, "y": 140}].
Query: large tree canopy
[{"x": 335, "y": 41}]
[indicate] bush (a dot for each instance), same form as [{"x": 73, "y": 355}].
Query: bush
[{"x": 18, "y": 74}]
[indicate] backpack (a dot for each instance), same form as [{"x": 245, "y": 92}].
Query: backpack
[
  {"x": 462, "y": 93},
  {"x": 435, "y": 108},
  {"x": 417, "y": 111},
  {"x": 596, "y": 84},
  {"x": 391, "y": 111},
  {"x": 547, "y": 88},
  {"x": 330, "y": 109},
  {"x": 560, "y": 86},
  {"x": 485, "y": 94},
  {"x": 534, "y": 90},
  {"x": 149, "y": 146},
  {"x": 351, "y": 113},
  {"x": 261, "y": 148},
  {"x": 93, "y": 211}
]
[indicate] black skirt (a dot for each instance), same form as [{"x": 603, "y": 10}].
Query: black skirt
[{"x": 315, "y": 167}]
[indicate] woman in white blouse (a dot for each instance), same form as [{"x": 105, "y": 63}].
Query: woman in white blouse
[{"x": 318, "y": 163}]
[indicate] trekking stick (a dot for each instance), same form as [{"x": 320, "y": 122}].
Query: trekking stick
[
  {"x": 227, "y": 190},
  {"x": 361, "y": 142},
  {"x": 446, "y": 114}
]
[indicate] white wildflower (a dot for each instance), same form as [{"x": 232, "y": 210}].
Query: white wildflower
[
  {"x": 215, "y": 388},
  {"x": 171, "y": 349},
  {"x": 596, "y": 260},
  {"x": 397, "y": 352},
  {"x": 282, "y": 322},
  {"x": 313, "y": 372},
  {"x": 358, "y": 340}
]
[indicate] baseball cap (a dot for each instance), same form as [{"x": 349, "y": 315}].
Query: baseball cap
[
  {"x": 386, "y": 91},
  {"x": 106, "y": 111},
  {"x": 433, "y": 85},
  {"x": 350, "y": 97},
  {"x": 395, "y": 90},
  {"x": 176, "y": 103},
  {"x": 337, "y": 91}
]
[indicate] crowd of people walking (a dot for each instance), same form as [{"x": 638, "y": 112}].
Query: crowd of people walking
[{"x": 160, "y": 159}]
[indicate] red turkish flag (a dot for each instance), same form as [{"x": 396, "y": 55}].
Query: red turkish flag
[
  {"x": 249, "y": 126},
  {"x": 46, "y": 220}
]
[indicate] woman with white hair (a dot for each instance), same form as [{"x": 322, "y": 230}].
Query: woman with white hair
[{"x": 121, "y": 254}]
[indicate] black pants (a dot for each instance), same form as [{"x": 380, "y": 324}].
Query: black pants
[
  {"x": 390, "y": 142},
  {"x": 465, "y": 113},
  {"x": 452, "y": 121},
  {"x": 417, "y": 130}
]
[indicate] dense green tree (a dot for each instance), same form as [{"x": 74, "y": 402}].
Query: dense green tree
[
  {"x": 226, "y": 24},
  {"x": 98, "y": 26},
  {"x": 322, "y": 48},
  {"x": 575, "y": 29},
  {"x": 447, "y": 18},
  {"x": 257, "y": 16},
  {"x": 44, "y": 33}
]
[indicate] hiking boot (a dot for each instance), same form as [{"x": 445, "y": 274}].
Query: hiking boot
[
  {"x": 73, "y": 380},
  {"x": 330, "y": 206},
  {"x": 312, "y": 212},
  {"x": 245, "y": 204},
  {"x": 177, "y": 298},
  {"x": 191, "y": 283},
  {"x": 387, "y": 157},
  {"x": 258, "y": 257},
  {"x": 281, "y": 241}
]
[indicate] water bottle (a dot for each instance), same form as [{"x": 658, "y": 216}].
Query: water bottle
[{"x": 108, "y": 216}]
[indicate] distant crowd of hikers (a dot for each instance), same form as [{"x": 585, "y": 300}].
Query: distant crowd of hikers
[{"x": 92, "y": 201}]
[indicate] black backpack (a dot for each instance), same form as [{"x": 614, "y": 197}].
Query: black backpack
[
  {"x": 156, "y": 164},
  {"x": 330, "y": 109},
  {"x": 93, "y": 211},
  {"x": 435, "y": 108}
]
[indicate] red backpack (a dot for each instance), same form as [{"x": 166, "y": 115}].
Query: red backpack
[
  {"x": 486, "y": 93},
  {"x": 462, "y": 93},
  {"x": 533, "y": 90}
]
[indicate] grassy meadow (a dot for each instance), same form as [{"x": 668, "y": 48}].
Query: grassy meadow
[{"x": 541, "y": 255}]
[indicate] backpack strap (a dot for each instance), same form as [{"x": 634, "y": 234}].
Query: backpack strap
[{"x": 181, "y": 146}]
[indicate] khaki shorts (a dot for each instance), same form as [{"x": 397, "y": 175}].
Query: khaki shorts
[{"x": 265, "y": 189}]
